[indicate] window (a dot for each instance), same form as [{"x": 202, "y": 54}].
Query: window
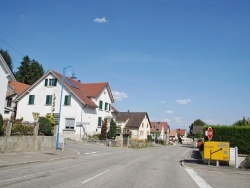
[
  {"x": 99, "y": 121},
  {"x": 9, "y": 100},
  {"x": 147, "y": 132},
  {"x": 107, "y": 106},
  {"x": 141, "y": 133},
  {"x": 147, "y": 125},
  {"x": 50, "y": 82},
  {"x": 48, "y": 99},
  {"x": 31, "y": 99},
  {"x": 69, "y": 123},
  {"x": 67, "y": 100},
  {"x": 142, "y": 125},
  {"x": 100, "y": 105}
]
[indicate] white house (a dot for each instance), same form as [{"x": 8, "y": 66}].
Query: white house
[
  {"x": 5, "y": 76},
  {"x": 136, "y": 122},
  {"x": 87, "y": 103},
  {"x": 162, "y": 129},
  {"x": 13, "y": 91}
]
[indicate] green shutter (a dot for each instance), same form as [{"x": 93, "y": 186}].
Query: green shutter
[
  {"x": 55, "y": 81},
  {"x": 100, "y": 104},
  {"x": 67, "y": 100},
  {"x": 48, "y": 99},
  {"x": 31, "y": 99},
  {"x": 99, "y": 121},
  {"x": 46, "y": 82},
  {"x": 109, "y": 107}
]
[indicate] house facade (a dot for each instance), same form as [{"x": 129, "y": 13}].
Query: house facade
[
  {"x": 162, "y": 129},
  {"x": 82, "y": 104},
  {"x": 14, "y": 89},
  {"x": 5, "y": 76},
  {"x": 137, "y": 123}
]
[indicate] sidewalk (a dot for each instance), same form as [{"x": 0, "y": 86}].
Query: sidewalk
[
  {"x": 10, "y": 159},
  {"x": 193, "y": 160}
]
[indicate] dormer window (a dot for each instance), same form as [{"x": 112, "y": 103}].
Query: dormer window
[{"x": 50, "y": 82}]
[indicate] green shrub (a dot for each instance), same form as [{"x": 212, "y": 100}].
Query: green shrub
[
  {"x": 45, "y": 127},
  {"x": 20, "y": 129}
]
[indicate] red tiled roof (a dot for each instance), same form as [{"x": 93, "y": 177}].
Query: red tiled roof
[
  {"x": 172, "y": 133},
  {"x": 18, "y": 87},
  {"x": 159, "y": 126},
  {"x": 181, "y": 131},
  {"x": 134, "y": 118},
  {"x": 85, "y": 91}
]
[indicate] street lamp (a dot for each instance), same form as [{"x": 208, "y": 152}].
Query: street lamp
[{"x": 60, "y": 105}]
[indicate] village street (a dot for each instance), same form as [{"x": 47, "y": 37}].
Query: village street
[{"x": 100, "y": 166}]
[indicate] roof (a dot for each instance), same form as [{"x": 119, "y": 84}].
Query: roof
[
  {"x": 159, "y": 126},
  {"x": 172, "y": 133},
  {"x": 18, "y": 87},
  {"x": 181, "y": 131},
  {"x": 83, "y": 92},
  {"x": 114, "y": 110},
  {"x": 134, "y": 118}
]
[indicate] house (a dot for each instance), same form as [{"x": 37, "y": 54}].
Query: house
[
  {"x": 183, "y": 134},
  {"x": 6, "y": 75},
  {"x": 137, "y": 123},
  {"x": 13, "y": 91},
  {"x": 173, "y": 137},
  {"x": 86, "y": 104},
  {"x": 162, "y": 128}
]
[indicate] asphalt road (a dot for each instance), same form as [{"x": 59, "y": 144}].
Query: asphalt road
[{"x": 100, "y": 166}]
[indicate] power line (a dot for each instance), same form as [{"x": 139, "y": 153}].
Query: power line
[{"x": 12, "y": 47}]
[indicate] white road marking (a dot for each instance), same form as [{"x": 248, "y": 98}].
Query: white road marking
[
  {"x": 91, "y": 153},
  {"x": 198, "y": 180},
  {"x": 94, "y": 177}
]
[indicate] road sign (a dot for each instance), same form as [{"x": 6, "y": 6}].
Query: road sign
[
  {"x": 82, "y": 123},
  {"x": 218, "y": 151},
  {"x": 209, "y": 133}
]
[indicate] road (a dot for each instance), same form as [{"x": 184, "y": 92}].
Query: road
[{"x": 99, "y": 166}]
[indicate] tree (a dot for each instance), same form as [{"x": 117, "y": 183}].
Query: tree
[
  {"x": 29, "y": 71},
  {"x": 104, "y": 129},
  {"x": 45, "y": 126},
  {"x": 242, "y": 122},
  {"x": 197, "y": 122},
  {"x": 112, "y": 130},
  {"x": 7, "y": 58}
]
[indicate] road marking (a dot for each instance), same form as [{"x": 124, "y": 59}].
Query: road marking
[
  {"x": 91, "y": 153},
  {"x": 94, "y": 177},
  {"x": 198, "y": 180}
]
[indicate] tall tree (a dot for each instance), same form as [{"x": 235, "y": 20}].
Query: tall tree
[
  {"x": 242, "y": 122},
  {"x": 197, "y": 122},
  {"x": 7, "y": 58},
  {"x": 112, "y": 130},
  {"x": 29, "y": 71}
]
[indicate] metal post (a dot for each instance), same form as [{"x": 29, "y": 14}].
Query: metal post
[
  {"x": 236, "y": 157},
  {"x": 60, "y": 105}
]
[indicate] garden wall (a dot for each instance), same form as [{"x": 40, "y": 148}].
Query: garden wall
[{"x": 10, "y": 144}]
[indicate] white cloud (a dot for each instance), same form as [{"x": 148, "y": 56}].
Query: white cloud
[
  {"x": 119, "y": 96},
  {"x": 166, "y": 120},
  {"x": 178, "y": 120},
  {"x": 162, "y": 102},
  {"x": 183, "y": 101},
  {"x": 101, "y": 20},
  {"x": 169, "y": 112}
]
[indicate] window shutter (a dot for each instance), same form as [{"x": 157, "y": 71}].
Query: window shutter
[
  {"x": 46, "y": 82},
  {"x": 100, "y": 104},
  {"x": 47, "y": 99},
  {"x": 109, "y": 106},
  {"x": 66, "y": 99},
  {"x": 55, "y": 81},
  {"x": 99, "y": 121},
  {"x": 31, "y": 99}
]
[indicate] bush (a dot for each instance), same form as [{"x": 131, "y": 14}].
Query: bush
[
  {"x": 45, "y": 127},
  {"x": 20, "y": 129},
  {"x": 149, "y": 138}
]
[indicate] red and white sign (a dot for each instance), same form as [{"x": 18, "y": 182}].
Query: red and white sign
[{"x": 210, "y": 133}]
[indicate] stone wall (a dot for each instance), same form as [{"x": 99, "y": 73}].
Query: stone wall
[{"x": 10, "y": 144}]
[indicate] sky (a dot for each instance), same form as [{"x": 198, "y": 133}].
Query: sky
[{"x": 177, "y": 60}]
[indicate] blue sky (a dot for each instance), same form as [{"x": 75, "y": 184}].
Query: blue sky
[{"x": 177, "y": 60}]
